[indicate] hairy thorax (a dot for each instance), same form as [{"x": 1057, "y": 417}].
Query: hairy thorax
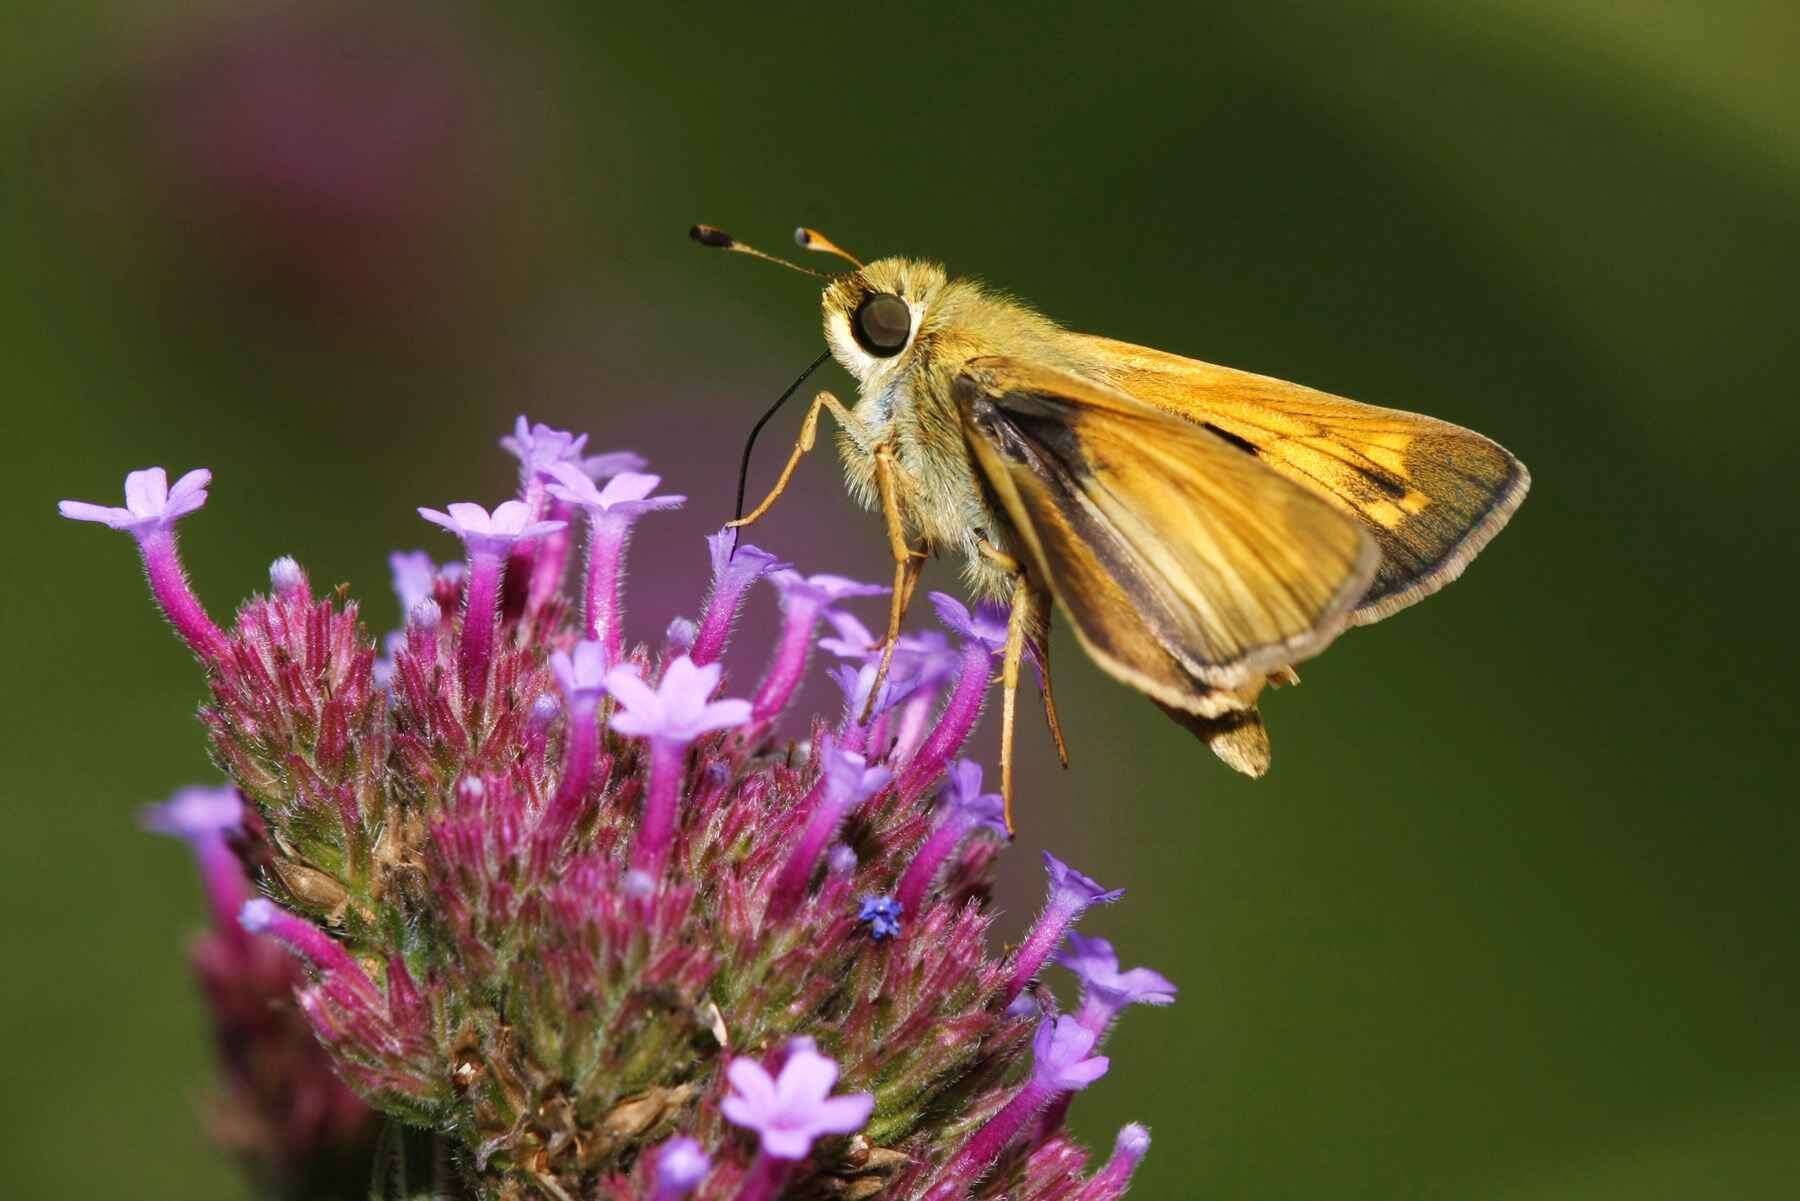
[{"x": 908, "y": 406}]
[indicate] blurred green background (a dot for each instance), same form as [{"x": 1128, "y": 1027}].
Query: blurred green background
[{"x": 1512, "y": 918}]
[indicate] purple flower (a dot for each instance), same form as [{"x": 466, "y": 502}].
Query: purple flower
[
  {"x": 1105, "y": 990},
  {"x": 963, "y": 797},
  {"x": 1062, "y": 1062},
  {"x": 1063, "y": 1056},
  {"x": 678, "y": 709},
  {"x": 964, "y": 810},
  {"x": 538, "y": 447},
  {"x": 1068, "y": 886},
  {"x": 196, "y": 813},
  {"x": 205, "y": 818},
  {"x": 671, "y": 715},
  {"x": 477, "y": 826},
  {"x": 149, "y": 501},
  {"x": 681, "y": 1164},
  {"x": 1129, "y": 1149},
  {"x": 987, "y": 625},
  {"x": 845, "y": 781},
  {"x": 626, "y": 494},
  {"x": 1071, "y": 895},
  {"x": 493, "y": 533},
  {"x": 327, "y": 957},
  {"x": 852, "y": 640},
  {"x": 793, "y": 1109},
  {"x": 804, "y": 599},
  {"x": 149, "y": 516},
  {"x": 984, "y": 635},
  {"x": 611, "y": 463},
  {"x": 881, "y": 915},
  {"x": 734, "y": 569},
  {"x": 611, "y": 511},
  {"x": 415, "y": 577},
  {"x": 488, "y": 538},
  {"x": 823, "y": 589},
  {"x": 581, "y": 673}
]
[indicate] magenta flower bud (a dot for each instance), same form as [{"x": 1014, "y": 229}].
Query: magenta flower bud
[
  {"x": 733, "y": 571},
  {"x": 1071, "y": 895},
  {"x": 804, "y": 599},
  {"x": 1105, "y": 990},
  {"x": 681, "y": 1164},
  {"x": 845, "y": 781},
  {"x": 581, "y": 677},
  {"x": 286, "y": 576},
  {"x": 151, "y": 510},
  {"x": 611, "y": 511},
  {"x": 965, "y": 809},
  {"x": 671, "y": 715},
  {"x": 1062, "y": 1062},
  {"x": 424, "y": 615},
  {"x": 311, "y": 944},
  {"x": 205, "y": 818},
  {"x": 488, "y": 538},
  {"x": 1111, "y": 1181},
  {"x": 790, "y": 1111}
]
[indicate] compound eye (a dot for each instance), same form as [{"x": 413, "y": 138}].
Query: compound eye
[{"x": 881, "y": 324}]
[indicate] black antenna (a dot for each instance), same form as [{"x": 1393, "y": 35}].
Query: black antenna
[{"x": 750, "y": 442}]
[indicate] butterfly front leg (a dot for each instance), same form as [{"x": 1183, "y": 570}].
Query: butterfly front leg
[
  {"x": 1020, "y": 620},
  {"x": 809, "y": 436},
  {"x": 907, "y": 565}
]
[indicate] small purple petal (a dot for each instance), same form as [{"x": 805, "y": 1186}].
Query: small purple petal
[
  {"x": 987, "y": 625},
  {"x": 195, "y": 813}
]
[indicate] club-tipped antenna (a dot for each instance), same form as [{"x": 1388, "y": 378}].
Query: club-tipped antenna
[
  {"x": 718, "y": 239},
  {"x": 812, "y": 239}
]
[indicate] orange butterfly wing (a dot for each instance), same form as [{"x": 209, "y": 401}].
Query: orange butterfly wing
[{"x": 1431, "y": 493}]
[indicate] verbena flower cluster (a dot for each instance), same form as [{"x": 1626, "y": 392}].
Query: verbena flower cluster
[{"x": 588, "y": 923}]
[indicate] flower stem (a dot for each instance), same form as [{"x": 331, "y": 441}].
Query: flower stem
[
  {"x": 606, "y": 565},
  {"x": 765, "y": 1179},
  {"x": 952, "y": 729},
  {"x": 777, "y": 688},
  {"x": 481, "y": 599},
  {"x": 658, "y": 828},
  {"x": 169, "y": 584}
]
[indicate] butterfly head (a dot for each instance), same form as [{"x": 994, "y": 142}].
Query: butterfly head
[{"x": 873, "y": 315}]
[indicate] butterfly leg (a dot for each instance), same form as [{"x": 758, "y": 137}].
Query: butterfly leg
[
  {"x": 1040, "y": 648},
  {"x": 809, "y": 435},
  {"x": 1018, "y": 620},
  {"x": 907, "y": 565}
]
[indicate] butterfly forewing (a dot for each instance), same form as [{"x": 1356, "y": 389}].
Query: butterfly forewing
[
  {"x": 1432, "y": 494},
  {"x": 1175, "y": 554}
]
